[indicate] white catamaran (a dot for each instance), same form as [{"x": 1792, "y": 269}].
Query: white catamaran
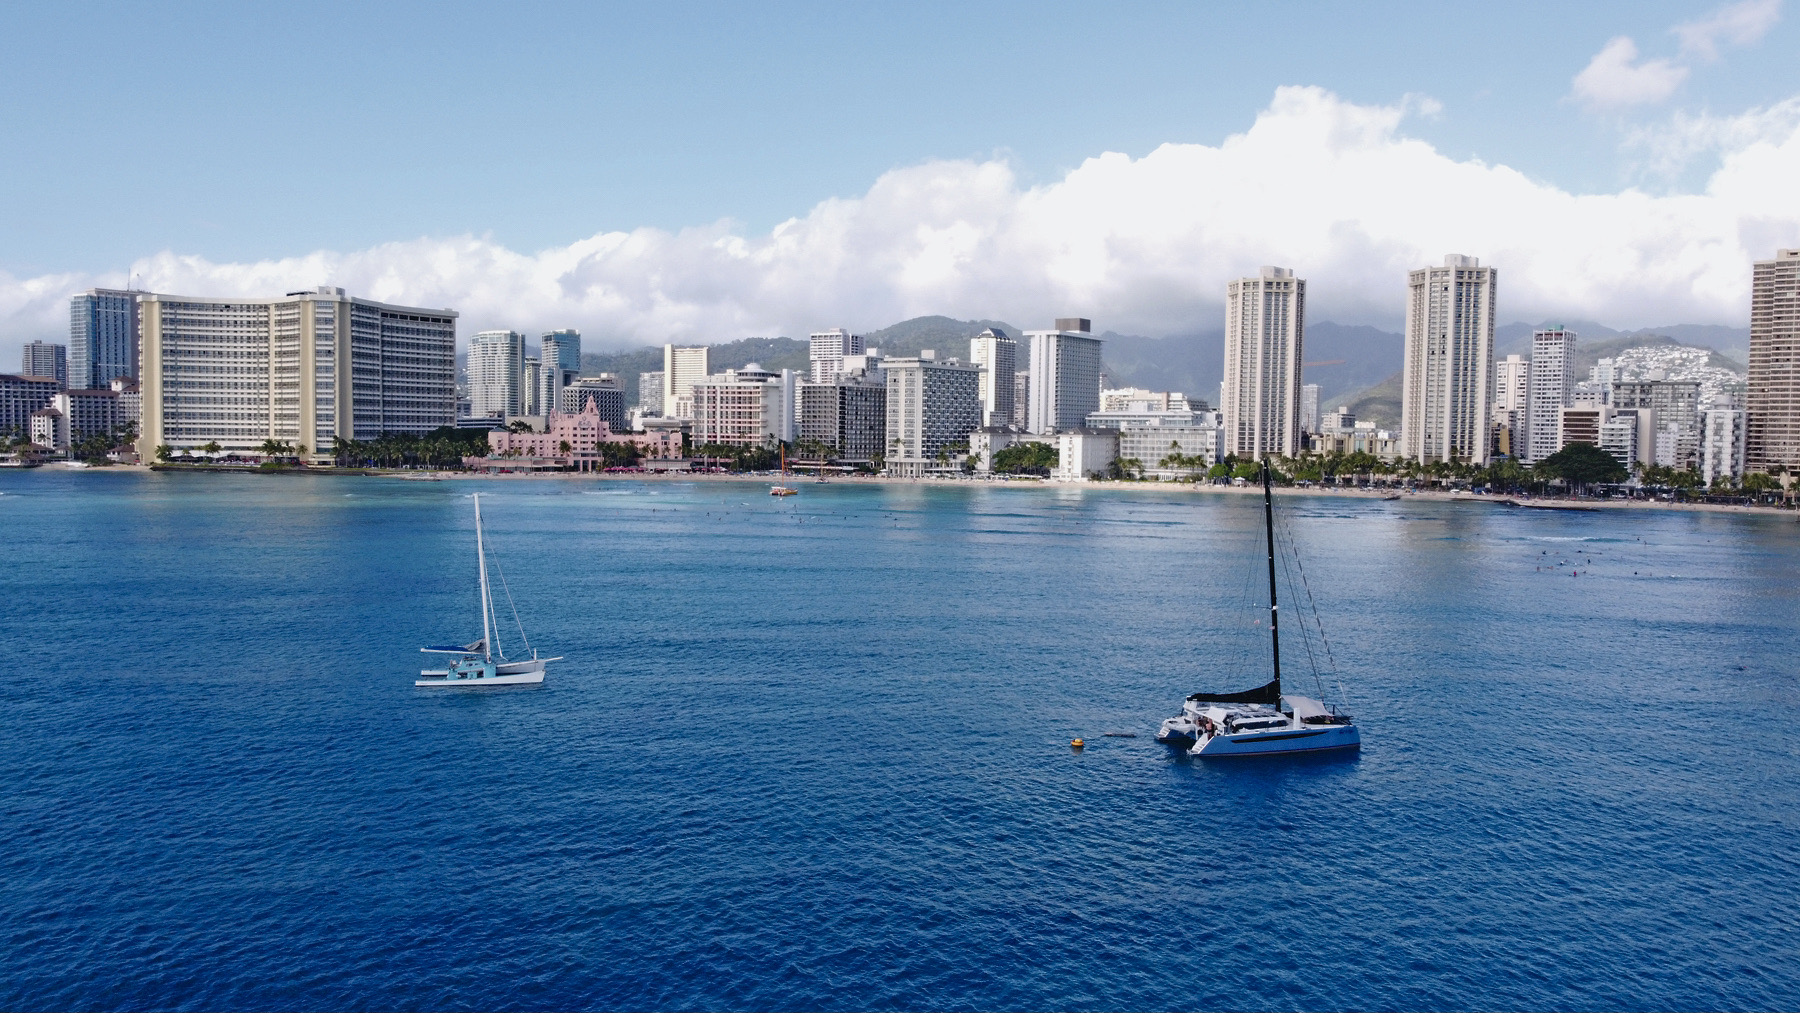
[
  {"x": 484, "y": 663},
  {"x": 1255, "y": 722}
]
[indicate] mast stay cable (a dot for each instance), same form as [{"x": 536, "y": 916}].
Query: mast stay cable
[{"x": 509, "y": 602}]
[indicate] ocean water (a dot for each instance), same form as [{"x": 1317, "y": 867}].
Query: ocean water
[{"x": 814, "y": 753}]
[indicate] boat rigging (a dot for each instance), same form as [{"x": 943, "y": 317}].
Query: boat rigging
[
  {"x": 1263, "y": 721},
  {"x": 484, "y": 662}
]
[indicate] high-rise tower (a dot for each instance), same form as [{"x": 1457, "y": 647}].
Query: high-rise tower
[
  {"x": 1447, "y": 384},
  {"x": 103, "y": 338},
  {"x": 559, "y": 364},
  {"x": 682, "y": 368},
  {"x": 1552, "y": 387},
  {"x": 1265, "y": 334},
  {"x": 1065, "y": 371},
  {"x": 1772, "y": 402},
  {"x": 997, "y": 354},
  {"x": 497, "y": 374},
  {"x": 827, "y": 350}
]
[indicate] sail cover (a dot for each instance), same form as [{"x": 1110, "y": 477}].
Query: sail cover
[{"x": 1269, "y": 693}]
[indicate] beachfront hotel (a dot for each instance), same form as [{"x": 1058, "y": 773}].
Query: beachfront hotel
[
  {"x": 1772, "y": 438},
  {"x": 1265, "y": 336},
  {"x": 1065, "y": 376},
  {"x": 1447, "y": 386},
  {"x": 301, "y": 370}
]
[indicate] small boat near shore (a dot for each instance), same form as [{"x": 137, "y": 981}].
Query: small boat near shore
[
  {"x": 1263, "y": 721},
  {"x": 783, "y": 490},
  {"x": 484, "y": 662}
]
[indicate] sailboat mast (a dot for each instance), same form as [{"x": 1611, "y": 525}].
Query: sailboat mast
[
  {"x": 1269, "y": 522},
  {"x": 487, "y": 632}
]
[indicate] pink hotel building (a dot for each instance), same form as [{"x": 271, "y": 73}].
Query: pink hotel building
[{"x": 569, "y": 441}]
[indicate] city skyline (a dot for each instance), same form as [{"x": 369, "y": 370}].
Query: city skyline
[{"x": 1139, "y": 226}]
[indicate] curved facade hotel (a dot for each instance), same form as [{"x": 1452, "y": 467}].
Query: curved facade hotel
[{"x": 301, "y": 370}]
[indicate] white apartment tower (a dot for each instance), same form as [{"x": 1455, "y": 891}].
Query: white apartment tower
[
  {"x": 1265, "y": 334},
  {"x": 997, "y": 354},
  {"x": 1552, "y": 386},
  {"x": 1772, "y": 403},
  {"x": 827, "y": 352},
  {"x": 496, "y": 374},
  {"x": 683, "y": 366},
  {"x": 650, "y": 393},
  {"x": 1065, "y": 376},
  {"x": 1447, "y": 382},
  {"x": 1512, "y": 399},
  {"x": 1722, "y": 445},
  {"x": 304, "y": 370}
]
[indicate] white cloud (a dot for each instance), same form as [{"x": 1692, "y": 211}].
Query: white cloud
[
  {"x": 1331, "y": 188},
  {"x": 1614, "y": 77},
  {"x": 1740, "y": 24},
  {"x": 1665, "y": 149}
]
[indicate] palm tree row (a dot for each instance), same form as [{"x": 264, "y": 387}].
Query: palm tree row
[{"x": 444, "y": 447}]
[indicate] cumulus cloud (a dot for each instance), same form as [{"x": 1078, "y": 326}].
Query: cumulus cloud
[
  {"x": 1615, "y": 77},
  {"x": 1666, "y": 148},
  {"x": 1333, "y": 189},
  {"x": 1739, "y": 24}
]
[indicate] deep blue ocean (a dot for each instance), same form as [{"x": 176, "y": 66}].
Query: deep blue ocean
[{"x": 814, "y": 753}]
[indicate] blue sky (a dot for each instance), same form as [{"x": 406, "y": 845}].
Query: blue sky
[{"x": 244, "y": 135}]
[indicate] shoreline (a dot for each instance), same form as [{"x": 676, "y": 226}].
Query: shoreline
[
  {"x": 801, "y": 480},
  {"x": 1508, "y": 501}
]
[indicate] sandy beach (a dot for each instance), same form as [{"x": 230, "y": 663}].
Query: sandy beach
[{"x": 801, "y": 481}]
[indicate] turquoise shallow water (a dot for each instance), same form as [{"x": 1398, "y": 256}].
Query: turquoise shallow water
[{"x": 813, "y": 753}]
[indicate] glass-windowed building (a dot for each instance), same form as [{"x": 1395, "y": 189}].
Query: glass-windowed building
[{"x": 103, "y": 338}]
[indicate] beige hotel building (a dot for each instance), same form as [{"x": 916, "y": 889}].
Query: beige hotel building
[{"x": 301, "y": 370}]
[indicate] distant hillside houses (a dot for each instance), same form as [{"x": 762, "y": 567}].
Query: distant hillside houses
[{"x": 1677, "y": 362}]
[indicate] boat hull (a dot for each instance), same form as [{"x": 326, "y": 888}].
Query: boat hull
[
  {"x": 1280, "y": 742},
  {"x": 1177, "y": 731},
  {"x": 506, "y": 673}
]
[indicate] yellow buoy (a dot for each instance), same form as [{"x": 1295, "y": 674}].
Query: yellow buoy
[{"x": 1076, "y": 743}]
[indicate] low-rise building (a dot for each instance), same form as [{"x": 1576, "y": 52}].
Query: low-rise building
[
  {"x": 1084, "y": 454},
  {"x": 570, "y": 441},
  {"x": 49, "y": 429},
  {"x": 987, "y": 441},
  {"x": 1123, "y": 398},
  {"x": 88, "y": 413},
  {"x": 1167, "y": 452},
  {"x": 1363, "y": 438},
  {"x": 131, "y": 401},
  {"x": 1162, "y": 427}
]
